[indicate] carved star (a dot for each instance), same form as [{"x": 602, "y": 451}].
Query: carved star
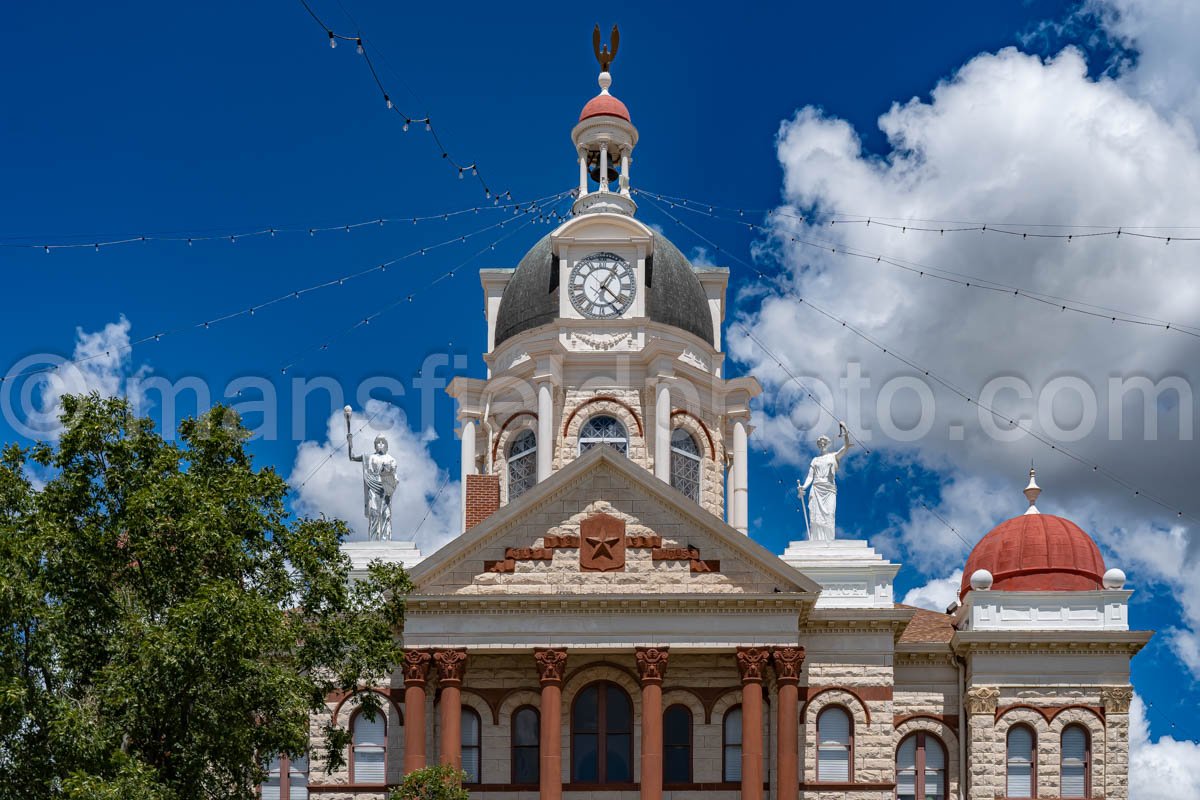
[{"x": 602, "y": 545}]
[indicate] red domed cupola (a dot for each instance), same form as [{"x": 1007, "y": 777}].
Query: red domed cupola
[
  {"x": 1036, "y": 552},
  {"x": 604, "y": 105}
]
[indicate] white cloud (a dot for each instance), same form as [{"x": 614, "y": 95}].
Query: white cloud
[
  {"x": 1167, "y": 769},
  {"x": 937, "y": 595},
  {"x": 426, "y": 502},
  {"x": 1009, "y": 138}
]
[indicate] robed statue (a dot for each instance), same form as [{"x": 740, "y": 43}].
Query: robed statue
[
  {"x": 379, "y": 483},
  {"x": 822, "y": 479}
]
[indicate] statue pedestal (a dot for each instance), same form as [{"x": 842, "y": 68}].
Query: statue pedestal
[
  {"x": 363, "y": 553},
  {"x": 851, "y": 573}
]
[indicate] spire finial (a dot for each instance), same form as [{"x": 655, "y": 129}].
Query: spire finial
[
  {"x": 1032, "y": 491},
  {"x": 602, "y": 53}
]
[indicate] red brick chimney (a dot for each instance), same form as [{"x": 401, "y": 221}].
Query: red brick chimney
[{"x": 483, "y": 498}]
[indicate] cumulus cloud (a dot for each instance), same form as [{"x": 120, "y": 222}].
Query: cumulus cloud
[
  {"x": 426, "y": 505},
  {"x": 937, "y": 595},
  {"x": 1166, "y": 769},
  {"x": 1018, "y": 139}
]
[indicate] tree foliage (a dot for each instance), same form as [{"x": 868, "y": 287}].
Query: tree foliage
[
  {"x": 167, "y": 624},
  {"x": 440, "y": 782}
]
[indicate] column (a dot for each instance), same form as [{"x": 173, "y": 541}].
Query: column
[
  {"x": 1116, "y": 701},
  {"x": 752, "y": 663},
  {"x": 416, "y": 673},
  {"x": 788, "y": 661},
  {"x": 551, "y": 664},
  {"x": 662, "y": 431},
  {"x": 984, "y": 747},
  {"x": 545, "y": 429},
  {"x": 740, "y": 488},
  {"x": 604, "y": 166},
  {"x": 652, "y": 667},
  {"x": 468, "y": 462},
  {"x": 583, "y": 176},
  {"x": 625, "y": 169},
  {"x": 451, "y": 665}
]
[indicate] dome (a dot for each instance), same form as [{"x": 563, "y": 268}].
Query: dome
[
  {"x": 674, "y": 295},
  {"x": 604, "y": 105},
  {"x": 1037, "y": 552}
]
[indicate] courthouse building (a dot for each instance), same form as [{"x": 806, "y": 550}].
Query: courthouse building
[{"x": 604, "y": 627}]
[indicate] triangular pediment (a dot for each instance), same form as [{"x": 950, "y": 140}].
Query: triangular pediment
[{"x": 603, "y": 525}]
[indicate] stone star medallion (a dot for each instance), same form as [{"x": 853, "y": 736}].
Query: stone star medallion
[{"x": 602, "y": 543}]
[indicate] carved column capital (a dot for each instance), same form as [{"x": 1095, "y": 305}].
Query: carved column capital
[
  {"x": 651, "y": 664},
  {"x": 752, "y": 663},
  {"x": 1116, "y": 700},
  {"x": 551, "y": 664},
  {"x": 982, "y": 700},
  {"x": 788, "y": 662},
  {"x": 451, "y": 666},
  {"x": 416, "y": 667}
]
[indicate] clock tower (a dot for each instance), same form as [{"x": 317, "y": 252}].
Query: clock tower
[{"x": 605, "y": 335}]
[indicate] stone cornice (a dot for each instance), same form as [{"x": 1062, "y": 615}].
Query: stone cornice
[
  {"x": 856, "y": 620},
  {"x": 606, "y": 604},
  {"x": 1086, "y": 643}
]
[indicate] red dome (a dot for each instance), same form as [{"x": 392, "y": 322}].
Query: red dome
[
  {"x": 1037, "y": 552},
  {"x": 604, "y": 105}
]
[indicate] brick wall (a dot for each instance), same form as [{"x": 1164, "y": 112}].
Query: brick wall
[{"x": 483, "y": 498}]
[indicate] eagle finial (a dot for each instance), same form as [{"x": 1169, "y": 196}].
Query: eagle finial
[{"x": 602, "y": 52}]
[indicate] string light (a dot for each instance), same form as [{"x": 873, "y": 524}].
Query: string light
[
  {"x": 1044, "y": 440},
  {"x": 962, "y": 279}
]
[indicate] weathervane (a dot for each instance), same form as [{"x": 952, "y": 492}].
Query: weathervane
[{"x": 602, "y": 54}]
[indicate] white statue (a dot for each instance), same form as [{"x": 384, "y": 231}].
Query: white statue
[
  {"x": 822, "y": 477},
  {"x": 379, "y": 483}
]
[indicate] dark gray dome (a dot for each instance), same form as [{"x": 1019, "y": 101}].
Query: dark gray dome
[{"x": 674, "y": 295}]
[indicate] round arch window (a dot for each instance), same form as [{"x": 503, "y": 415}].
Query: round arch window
[
  {"x": 685, "y": 463},
  {"x": 604, "y": 429}
]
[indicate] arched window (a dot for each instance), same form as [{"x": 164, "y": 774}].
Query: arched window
[
  {"x": 522, "y": 464},
  {"x": 368, "y": 747},
  {"x": 602, "y": 735},
  {"x": 677, "y": 745},
  {"x": 525, "y": 737},
  {"x": 731, "y": 735},
  {"x": 287, "y": 779},
  {"x": 472, "y": 760},
  {"x": 921, "y": 768},
  {"x": 603, "y": 430},
  {"x": 835, "y": 736},
  {"x": 1021, "y": 778},
  {"x": 685, "y": 463},
  {"x": 1076, "y": 762}
]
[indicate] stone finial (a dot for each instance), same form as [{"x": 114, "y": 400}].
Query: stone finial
[
  {"x": 1114, "y": 579},
  {"x": 982, "y": 700},
  {"x": 651, "y": 664},
  {"x": 1031, "y": 493},
  {"x": 1116, "y": 699},
  {"x": 752, "y": 663},
  {"x": 416, "y": 667},
  {"x": 551, "y": 664},
  {"x": 788, "y": 662},
  {"x": 451, "y": 666}
]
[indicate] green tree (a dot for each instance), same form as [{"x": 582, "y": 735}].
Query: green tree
[
  {"x": 168, "y": 625},
  {"x": 440, "y": 782}
]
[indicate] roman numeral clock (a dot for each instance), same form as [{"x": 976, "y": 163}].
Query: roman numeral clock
[{"x": 602, "y": 286}]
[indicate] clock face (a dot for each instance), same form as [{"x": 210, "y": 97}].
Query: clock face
[{"x": 602, "y": 286}]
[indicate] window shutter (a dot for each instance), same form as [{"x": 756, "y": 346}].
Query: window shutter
[
  {"x": 906, "y": 769},
  {"x": 1074, "y": 762},
  {"x": 833, "y": 756},
  {"x": 1020, "y": 763},
  {"x": 369, "y": 743},
  {"x": 270, "y": 789},
  {"x": 733, "y": 745}
]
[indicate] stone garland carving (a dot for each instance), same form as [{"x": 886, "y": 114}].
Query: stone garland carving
[
  {"x": 651, "y": 664},
  {"x": 451, "y": 666},
  {"x": 1117, "y": 699},
  {"x": 752, "y": 663},
  {"x": 788, "y": 662},
  {"x": 551, "y": 665},
  {"x": 416, "y": 667},
  {"x": 982, "y": 700}
]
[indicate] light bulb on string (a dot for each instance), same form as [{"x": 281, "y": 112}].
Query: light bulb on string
[
  {"x": 358, "y": 46},
  {"x": 474, "y": 171},
  {"x": 428, "y": 124},
  {"x": 406, "y": 121},
  {"x": 388, "y": 101},
  {"x": 460, "y": 173},
  {"x": 332, "y": 41}
]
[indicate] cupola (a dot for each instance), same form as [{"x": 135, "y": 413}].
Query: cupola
[{"x": 604, "y": 140}]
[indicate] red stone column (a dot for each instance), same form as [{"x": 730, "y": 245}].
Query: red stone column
[
  {"x": 788, "y": 661},
  {"x": 752, "y": 664},
  {"x": 652, "y": 667},
  {"x": 451, "y": 666},
  {"x": 551, "y": 664},
  {"x": 416, "y": 673}
]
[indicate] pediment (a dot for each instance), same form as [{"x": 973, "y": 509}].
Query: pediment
[{"x": 603, "y": 525}]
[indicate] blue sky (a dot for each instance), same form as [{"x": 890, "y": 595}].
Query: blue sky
[{"x": 152, "y": 117}]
